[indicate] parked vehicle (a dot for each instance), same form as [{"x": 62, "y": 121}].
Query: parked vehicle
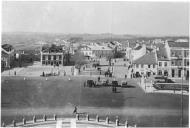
[
  {"x": 103, "y": 83},
  {"x": 89, "y": 83},
  {"x": 124, "y": 83},
  {"x": 115, "y": 83},
  {"x": 162, "y": 79}
]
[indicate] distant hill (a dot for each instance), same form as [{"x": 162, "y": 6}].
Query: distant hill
[{"x": 30, "y": 40}]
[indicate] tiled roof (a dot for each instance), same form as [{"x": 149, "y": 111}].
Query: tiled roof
[
  {"x": 149, "y": 49},
  {"x": 112, "y": 43},
  {"x": 7, "y": 47},
  {"x": 148, "y": 58},
  {"x": 138, "y": 47},
  {"x": 52, "y": 48},
  {"x": 178, "y": 44},
  {"x": 98, "y": 47}
]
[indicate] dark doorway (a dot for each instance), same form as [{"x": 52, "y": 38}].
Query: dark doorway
[
  {"x": 187, "y": 76},
  {"x": 165, "y": 73}
]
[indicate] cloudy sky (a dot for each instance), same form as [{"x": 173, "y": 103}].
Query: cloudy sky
[{"x": 144, "y": 18}]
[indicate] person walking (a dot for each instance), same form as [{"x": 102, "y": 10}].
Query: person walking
[
  {"x": 99, "y": 79},
  {"x": 75, "y": 110}
]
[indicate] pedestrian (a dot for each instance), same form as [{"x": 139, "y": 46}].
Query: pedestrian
[
  {"x": 99, "y": 79},
  {"x": 125, "y": 76},
  {"x": 43, "y": 74},
  {"x": 112, "y": 89},
  {"x": 75, "y": 110},
  {"x": 15, "y": 73}
]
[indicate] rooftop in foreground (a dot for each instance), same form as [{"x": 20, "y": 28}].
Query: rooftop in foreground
[{"x": 68, "y": 123}]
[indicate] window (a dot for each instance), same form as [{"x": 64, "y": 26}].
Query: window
[
  {"x": 43, "y": 57},
  {"x": 160, "y": 64},
  {"x": 173, "y": 62},
  {"x": 165, "y": 64},
  {"x": 153, "y": 65},
  {"x": 142, "y": 65},
  {"x": 179, "y": 73},
  {"x": 173, "y": 73},
  {"x": 179, "y": 63},
  {"x": 172, "y": 53},
  {"x": 165, "y": 73},
  {"x": 137, "y": 66},
  {"x": 187, "y": 54},
  {"x": 54, "y": 57},
  {"x": 148, "y": 66},
  {"x": 159, "y": 72},
  {"x": 59, "y": 57},
  {"x": 49, "y": 57}
]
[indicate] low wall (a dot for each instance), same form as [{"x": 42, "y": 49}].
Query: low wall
[{"x": 79, "y": 118}]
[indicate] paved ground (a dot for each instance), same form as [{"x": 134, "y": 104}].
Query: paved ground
[
  {"x": 147, "y": 87},
  {"x": 58, "y": 95},
  {"x": 36, "y": 95},
  {"x": 37, "y": 69}
]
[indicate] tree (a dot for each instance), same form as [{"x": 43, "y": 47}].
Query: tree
[
  {"x": 118, "y": 54},
  {"x": 79, "y": 59},
  {"x": 67, "y": 58}
]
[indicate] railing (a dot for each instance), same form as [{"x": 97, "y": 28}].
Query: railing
[{"x": 86, "y": 117}]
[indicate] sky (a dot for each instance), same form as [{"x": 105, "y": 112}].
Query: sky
[{"x": 135, "y": 18}]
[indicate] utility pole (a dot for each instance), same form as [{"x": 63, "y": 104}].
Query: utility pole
[
  {"x": 182, "y": 73},
  {"x": 182, "y": 88}
]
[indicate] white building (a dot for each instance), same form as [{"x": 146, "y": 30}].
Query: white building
[
  {"x": 178, "y": 53},
  {"x": 95, "y": 50},
  {"x": 52, "y": 55},
  {"x": 163, "y": 63},
  {"x": 138, "y": 51},
  {"x": 146, "y": 65}
]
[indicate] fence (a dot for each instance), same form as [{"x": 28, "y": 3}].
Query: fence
[{"x": 87, "y": 118}]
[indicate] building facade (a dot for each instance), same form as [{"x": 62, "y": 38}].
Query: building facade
[
  {"x": 146, "y": 65},
  {"x": 52, "y": 55},
  {"x": 7, "y": 56},
  {"x": 163, "y": 63},
  {"x": 178, "y": 53},
  {"x": 95, "y": 50}
]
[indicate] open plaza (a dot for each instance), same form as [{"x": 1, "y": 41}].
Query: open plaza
[{"x": 28, "y": 93}]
